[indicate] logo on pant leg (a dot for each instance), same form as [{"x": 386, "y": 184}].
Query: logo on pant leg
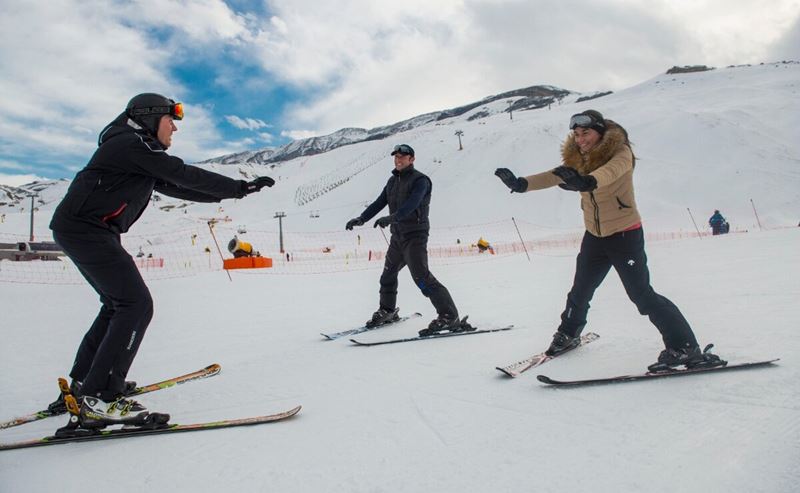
[
  {"x": 130, "y": 343},
  {"x": 631, "y": 262}
]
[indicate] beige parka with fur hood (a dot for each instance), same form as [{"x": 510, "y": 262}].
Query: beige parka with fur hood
[{"x": 611, "y": 207}]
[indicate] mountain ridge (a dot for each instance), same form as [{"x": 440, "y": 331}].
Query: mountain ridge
[{"x": 528, "y": 98}]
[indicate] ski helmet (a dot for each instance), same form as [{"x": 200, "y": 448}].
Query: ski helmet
[{"x": 147, "y": 109}]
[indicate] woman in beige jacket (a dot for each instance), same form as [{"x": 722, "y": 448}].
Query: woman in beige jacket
[{"x": 597, "y": 162}]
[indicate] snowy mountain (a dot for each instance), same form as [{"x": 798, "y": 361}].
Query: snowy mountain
[
  {"x": 47, "y": 194},
  {"x": 521, "y": 99}
]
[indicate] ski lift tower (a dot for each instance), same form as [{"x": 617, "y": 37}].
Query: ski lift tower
[
  {"x": 279, "y": 216},
  {"x": 32, "y": 196}
]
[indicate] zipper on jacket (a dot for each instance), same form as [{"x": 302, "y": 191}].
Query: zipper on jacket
[
  {"x": 596, "y": 213},
  {"x": 115, "y": 213}
]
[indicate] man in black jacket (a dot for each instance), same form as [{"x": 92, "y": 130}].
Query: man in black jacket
[
  {"x": 408, "y": 195},
  {"x": 103, "y": 201}
]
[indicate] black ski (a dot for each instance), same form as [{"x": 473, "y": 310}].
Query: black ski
[
  {"x": 364, "y": 328},
  {"x": 516, "y": 369},
  {"x": 169, "y": 428},
  {"x": 435, "y": 336},
  {"x": 648, "y": 376},
  {"x": 206, "y": 372}
]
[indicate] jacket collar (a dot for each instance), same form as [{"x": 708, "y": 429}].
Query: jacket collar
[
  {"x": 405, "y": 171},
  {"x": 122, "y": 125}
]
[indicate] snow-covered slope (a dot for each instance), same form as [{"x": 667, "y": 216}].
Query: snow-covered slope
[
  {"x": 437, "y": 416},
  {"x": 722, "y": 139}
]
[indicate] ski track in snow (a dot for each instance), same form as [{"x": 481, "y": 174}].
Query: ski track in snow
[{"x": 437, "y": 414}]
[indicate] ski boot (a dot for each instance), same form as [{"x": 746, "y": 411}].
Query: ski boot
[
  {"x": 59, "y": 407},
  {"x": 690, "y": 357},
  {"x": 446, "y": 323},
  {"x": 562, "y": 343},
  {"x": 706, "y": 360},
  {"x": 382, "y": 317},
  {"x": 93, "y": 414}
]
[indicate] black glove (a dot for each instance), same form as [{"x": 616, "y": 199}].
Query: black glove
[
  {"x": 518, "y": 185},
  {"x": 573, "y": 181},
  {"x": 357, "y": 221},
  {"x": 257, "y": 184},
  {"x": 383, "y": 221}
]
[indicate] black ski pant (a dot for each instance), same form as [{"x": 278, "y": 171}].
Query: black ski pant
[
  {"x": 107, "y": 350},
  {"x": 625, "y": 252},
  {"x": 411, "y": 249}
]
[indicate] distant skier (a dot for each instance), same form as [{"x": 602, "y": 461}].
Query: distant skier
[
  {"x": 103, "y": 201},
  {"x": 717, "y": 223},
  {"x": 598, "y": 162},
  {"x": 408, "y": 195}
]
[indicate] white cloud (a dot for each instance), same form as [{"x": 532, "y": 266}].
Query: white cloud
[
  {"x": 204, "y": 21},
  {"x": 198, "y": 138},
  {"x": 12, "y": 165},
  {"x": 17, "y": 180},
  {"x": 298, "y": 134},
  {"x": 246, "y": 123},
  {"x": 63, "y": 81},
  {"x": 788, "y": 46},
  {"x": 377, "y": 62},
  {"x": 355, "y": 63}
]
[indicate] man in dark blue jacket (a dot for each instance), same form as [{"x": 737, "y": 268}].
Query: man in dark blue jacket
[
  {"x": 103, "y": 201},
  {"x": 717, "y": 222},
  {"x": 408, "y": 195}
]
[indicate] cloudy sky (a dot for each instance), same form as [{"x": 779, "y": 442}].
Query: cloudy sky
[{"x": 255, "y": 74}]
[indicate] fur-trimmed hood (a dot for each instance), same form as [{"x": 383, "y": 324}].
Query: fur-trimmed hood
[{"x": 611, "y": 142}]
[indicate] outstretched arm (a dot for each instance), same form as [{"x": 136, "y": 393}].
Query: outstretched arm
[
  {"x": 526, "y": 184},
  {"x": 543, "y": 180},
  {"x": 184, "y": 193},
  {"x": 375, "y": 207}
]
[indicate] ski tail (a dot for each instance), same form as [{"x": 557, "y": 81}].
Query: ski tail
[{"x": 516, "y": 369}]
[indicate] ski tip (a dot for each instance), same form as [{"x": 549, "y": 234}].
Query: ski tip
[
  {"x": 545, "y": 379},
  {"x": 214, "y": 367},
  {"x": 326, "y": 336},
  {"x": 506, "y": 372}
]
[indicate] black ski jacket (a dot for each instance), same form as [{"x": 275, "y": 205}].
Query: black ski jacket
[
  {"x": 113, "y": 190},
  {"x": 408, "y": 195}
]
